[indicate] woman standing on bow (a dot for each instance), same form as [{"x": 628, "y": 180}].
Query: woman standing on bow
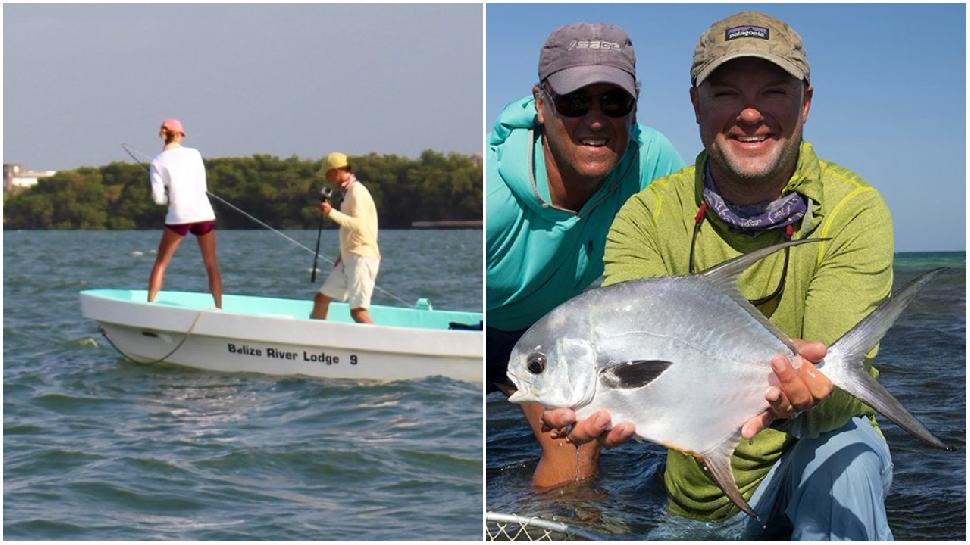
[{"x": 178, "y": 179}]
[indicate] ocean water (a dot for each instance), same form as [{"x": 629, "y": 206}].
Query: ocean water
[
  {"x": 922, "y": 362},
  {"x": 96, "y": 447}
]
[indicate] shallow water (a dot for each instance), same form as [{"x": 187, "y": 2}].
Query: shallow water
[
  {"x": 97, "y": 447},
  {"x": 922, "y": 361}
]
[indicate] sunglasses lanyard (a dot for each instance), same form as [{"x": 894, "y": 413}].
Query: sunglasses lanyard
[
  {"x": 789, "y": 232},
  {"x": 587, "y": 208}
]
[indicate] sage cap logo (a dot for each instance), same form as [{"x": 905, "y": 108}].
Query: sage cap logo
[
  {"x": 582, "y": 54},
  {"x": 749, "y": 34}
]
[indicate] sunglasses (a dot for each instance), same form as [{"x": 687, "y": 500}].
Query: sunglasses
[{"x": 615, "y": 103}]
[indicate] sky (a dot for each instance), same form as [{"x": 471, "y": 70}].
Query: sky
[
  {"x": 889, "y": 102},
  {"x": 307, "y": 79},
  {"x": 284, "y": 80}
]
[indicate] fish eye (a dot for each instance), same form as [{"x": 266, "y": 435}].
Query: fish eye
[{"x": 536, "y": 363}]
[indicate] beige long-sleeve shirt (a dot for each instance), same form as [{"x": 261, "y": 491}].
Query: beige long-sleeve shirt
[{"x": 357, "y": 218}]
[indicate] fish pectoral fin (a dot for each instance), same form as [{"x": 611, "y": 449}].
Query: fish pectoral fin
[
  {"x": 717, "y": 464},
  {"x": 633, "y": 374}
]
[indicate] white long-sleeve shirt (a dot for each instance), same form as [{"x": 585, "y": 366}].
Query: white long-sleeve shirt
[{"x": 178, "y": 179}]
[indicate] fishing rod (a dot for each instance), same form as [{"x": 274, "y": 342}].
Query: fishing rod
[
  {"x": 131, "y": 153},
  {"x": 324, "y": 197}
]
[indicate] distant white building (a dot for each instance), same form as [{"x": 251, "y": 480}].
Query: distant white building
[{"x": 15, "y": 175}]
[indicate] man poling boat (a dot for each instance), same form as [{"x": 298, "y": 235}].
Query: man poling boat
[{"x": 355, "y": 272}]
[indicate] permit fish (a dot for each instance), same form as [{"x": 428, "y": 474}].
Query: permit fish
[{"x": 686, "y": 360}]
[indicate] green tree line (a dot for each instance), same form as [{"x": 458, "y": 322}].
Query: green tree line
[{"x": 283, "y": 193}]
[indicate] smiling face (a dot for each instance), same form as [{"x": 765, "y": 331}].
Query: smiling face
[
  {"x": 751, "y": 114},
  {"x": 583, "y": 149}
]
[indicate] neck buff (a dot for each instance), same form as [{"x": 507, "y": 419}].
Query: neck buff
[
  {"x": 762, "y": 216},
  {"x": 346, "y": 185}
]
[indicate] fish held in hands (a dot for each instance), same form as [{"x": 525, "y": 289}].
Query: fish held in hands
[{"x": 686, "y": 360}]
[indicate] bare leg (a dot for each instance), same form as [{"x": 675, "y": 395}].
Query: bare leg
[
  {"x": 321, "y": 304},
  {"x": 207, "y": 243},
  {"x": 166, "y": 249},
  {"x": 560, "y": 462},
  {"x": 361, "y": 316}
]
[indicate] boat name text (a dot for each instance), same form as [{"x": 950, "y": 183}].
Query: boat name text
[{"x": 276, "y": 353}]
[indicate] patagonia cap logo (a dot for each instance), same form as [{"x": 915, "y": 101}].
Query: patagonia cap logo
[
  {"x": 746, "y": 31},
  {"x": 592, "y": 44}
]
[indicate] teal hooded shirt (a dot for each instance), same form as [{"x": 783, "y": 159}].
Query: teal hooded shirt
[{"x": 537, "y": 255}]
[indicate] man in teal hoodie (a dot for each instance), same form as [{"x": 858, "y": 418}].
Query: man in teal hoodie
[{"x": 561, "y": 162}]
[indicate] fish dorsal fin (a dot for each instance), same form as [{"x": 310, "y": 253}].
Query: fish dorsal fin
[
  {"x": 634, "y": 374},
  {"x": 716, "y": 462},
  {"x": 725, "y": 276}
]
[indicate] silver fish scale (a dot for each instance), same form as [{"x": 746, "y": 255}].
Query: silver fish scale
[
  {"x": 719, "y": 355},
  {"x": 688, "y": 311}
]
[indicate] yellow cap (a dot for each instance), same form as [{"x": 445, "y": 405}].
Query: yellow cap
[{"x": 336, "y": 160}]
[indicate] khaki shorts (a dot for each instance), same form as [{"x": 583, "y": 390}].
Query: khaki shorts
[{"x": 352, "y": 280}]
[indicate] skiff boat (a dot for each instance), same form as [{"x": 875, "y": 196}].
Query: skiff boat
[{"x": 275, "y": 336}]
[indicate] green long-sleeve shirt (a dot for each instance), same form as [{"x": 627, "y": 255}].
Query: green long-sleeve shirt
[{"x": 830, "y": 286}]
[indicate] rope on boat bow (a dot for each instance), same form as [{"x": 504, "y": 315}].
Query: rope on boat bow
[
  {"x": 143, "y": 161},
  {"x": 166, "y": 356}
]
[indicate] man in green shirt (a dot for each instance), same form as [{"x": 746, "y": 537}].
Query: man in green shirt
[{"x": 818, "y": 474}]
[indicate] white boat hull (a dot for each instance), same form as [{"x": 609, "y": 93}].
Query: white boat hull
[{"x": 281, "y": 344}]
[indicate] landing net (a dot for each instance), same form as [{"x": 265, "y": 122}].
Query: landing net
[{"x": 503, "y": 527}]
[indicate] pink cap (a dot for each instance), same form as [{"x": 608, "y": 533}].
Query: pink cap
[{"x": 173, "y": 125}]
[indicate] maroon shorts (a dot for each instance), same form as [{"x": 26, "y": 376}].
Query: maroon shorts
[{"x": 198, "y": 228}]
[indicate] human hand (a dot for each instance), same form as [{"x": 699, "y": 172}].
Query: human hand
[
  {"x": 325, "y": 207},
  {"x": 561, "y": 423},
  {"x": 793, "y": 389}
]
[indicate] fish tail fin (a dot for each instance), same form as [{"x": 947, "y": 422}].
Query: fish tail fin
[
  {"x": 843, "y": 364},
  {"x": 717, "y": 463}
]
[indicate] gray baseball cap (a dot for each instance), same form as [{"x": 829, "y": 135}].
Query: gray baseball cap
[
  {"x": 749, "y": 34},
  {"x": 582, "y": 54}
]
